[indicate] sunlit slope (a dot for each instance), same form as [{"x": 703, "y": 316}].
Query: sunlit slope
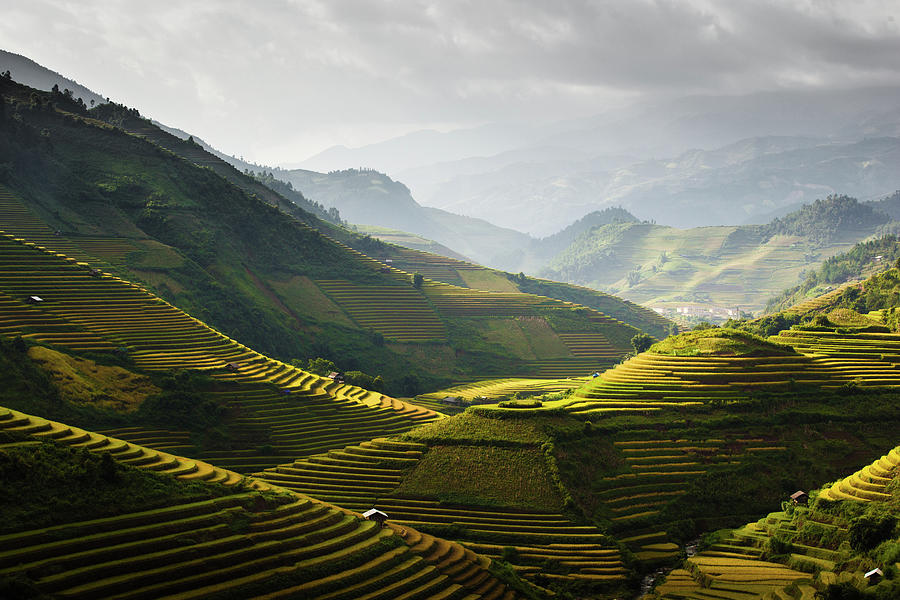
[
  {"x": 722, "y": 366},
  {"x": 245, "y": 262},
  {"x": 869, "y": 484},
  {"x": 257, "y": 541},
  {"x": 88, "y": 310},
  {"x": 530, "y": 335},
  {"x": 695, "y": 368},
  {"x": 802, "y": 551},
  {"x": 731, "y": 266},
  {"x": 382, "y": 473},
  {"x": 466, "y": 274}
]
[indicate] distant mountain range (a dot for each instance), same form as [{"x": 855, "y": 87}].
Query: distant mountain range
[
  {"x": 24, "y": 70},
  {"x": 725, "y": 265},
  {"x": 749, "y": 181},
  {"x": 732, "y": 160}
]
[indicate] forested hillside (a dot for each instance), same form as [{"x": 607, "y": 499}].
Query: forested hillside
[
  {"x": 854, "y": 265},
  {"x": 257, "y": 267},
  {"x": 731, "y": 266}
]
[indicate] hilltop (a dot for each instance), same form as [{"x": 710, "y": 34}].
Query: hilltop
[
  {"x": 258, "y": 267},
  {"x": 823, "y": 545},
  {"x": 860, "y": 262},
  {"x": 160, "y": 525},
  {"x": 735, "y": 266},
  {"x": 30, "y": 73},
  {"x": 718, "y": 342},
  {"x": 367, "y": 197}
]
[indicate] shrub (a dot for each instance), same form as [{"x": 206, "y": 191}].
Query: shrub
[{"x": 867, "y": 531}]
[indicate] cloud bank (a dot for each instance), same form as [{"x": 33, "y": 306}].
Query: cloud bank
[{"x": 281, "y": 79}]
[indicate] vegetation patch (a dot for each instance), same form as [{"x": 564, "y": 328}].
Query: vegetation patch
[
  {"x": 46, "y": 484},
  {"x": 719, "y": 342},
  {"x": 84, "y": 382},
  {"x": 484, "y": 475},
  {"x": 846, "y": 317},
  {"x": 471, "y": 428}
]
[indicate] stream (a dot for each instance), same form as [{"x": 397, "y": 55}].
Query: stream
[{"x": 690, "y": 549}]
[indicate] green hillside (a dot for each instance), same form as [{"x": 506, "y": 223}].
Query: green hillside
[
  {"x": 466, "y": 274},
  {"x": 220, "y": 245},
  {"x": 576, "y": 492},
  {"x": 822, "y": 548},
  {"x": 97, "y": 517},
  {"x": 651, "y": 453},
  {"x": 727, "y": 266},
  {"x": 857, "y": 264},
  {"x": 367, "y": 197}
]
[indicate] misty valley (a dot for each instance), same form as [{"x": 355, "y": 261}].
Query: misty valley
[{"x": 541, "y": 327}]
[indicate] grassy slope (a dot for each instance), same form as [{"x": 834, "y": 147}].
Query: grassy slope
[
  {"x": 467, "y": 274},
  {"x": 829, "y": 545},
  {"x": 724, "y": 265},
  {"x": 44, "y": 485},
  {"x": 259, "y": 539},
  {"x": 719, "y": 342},
  {"x": 374, "y": 199},
  {"x": 204, "y": 244},
  {"x": 860, "y": 262}
]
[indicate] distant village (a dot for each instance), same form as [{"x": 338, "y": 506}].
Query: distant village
[{"x": 694, "y": 312}]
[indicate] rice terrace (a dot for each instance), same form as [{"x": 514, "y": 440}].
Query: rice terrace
[{"x": 526, "y": 302}]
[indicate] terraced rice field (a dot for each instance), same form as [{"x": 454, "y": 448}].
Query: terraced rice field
[
  {"x": 733, "y": 568},
  {"x": 454, "y": 301},
  {"x": 495, "y": 388},
  {"x": 159, "y": 439},
  {"x": 18, "y": 220},
  {"x": 650, "y": 382},
  {"x": 589, "y": 344},
  {"x": 868, "y": 359},
  {"x": 237, "y": 544},
  {"x": 399, "y": 312},
  {"x": 432, "y": 266},
  {"x": 295, "y": 426},
  {"x": 820, "y": 301},
  {"x": 659, "y": 470},
  {"x": 869, "y": 483},
  {"x": 364, "y": 476},
  {"x": 85, "y": 311}
]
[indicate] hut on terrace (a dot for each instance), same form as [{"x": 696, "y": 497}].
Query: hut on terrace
[
  {"x": 373, "y": 514},
  {"x": 874, "y": 576},
  {"x": 800, "y": 497}
]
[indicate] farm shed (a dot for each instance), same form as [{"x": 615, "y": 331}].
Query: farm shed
[
  {"x": 373, "y": 514},
  {"x": 800, "y": 497},
  {"x": 874, "y": 576}
]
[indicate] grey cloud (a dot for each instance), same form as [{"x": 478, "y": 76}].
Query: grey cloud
[{"x": 249, "y": 76}]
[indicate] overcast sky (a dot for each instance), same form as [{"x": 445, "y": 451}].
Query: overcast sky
[{"x": 278, "y": 80}]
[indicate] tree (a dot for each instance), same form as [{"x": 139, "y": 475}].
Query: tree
[
  {"x": 633, "y": 277},
  {"x": 641, "y": 342},
  {"x": 867, "y": 531},
  {"x": 320, "y": 366},
  {"x": 417, "y": 280}
]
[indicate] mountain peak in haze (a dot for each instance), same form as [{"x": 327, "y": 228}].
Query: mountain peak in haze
[{"x": 26, "y": 71}]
